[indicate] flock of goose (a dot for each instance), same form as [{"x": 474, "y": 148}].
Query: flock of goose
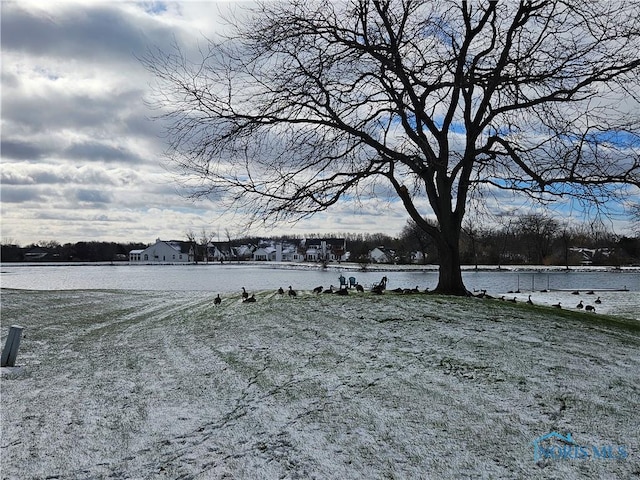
[
  {"x": 246, "y": 298},
  {"x": 580, "y": 305},
  {"x": 380, "y": 287}
]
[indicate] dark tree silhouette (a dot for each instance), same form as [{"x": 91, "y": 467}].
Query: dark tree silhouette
[{"x": 311, "y": 102}]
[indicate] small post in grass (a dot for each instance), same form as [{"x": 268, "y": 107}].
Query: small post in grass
[{"x": 11, "y": 346}]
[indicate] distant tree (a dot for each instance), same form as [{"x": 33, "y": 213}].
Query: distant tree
[
  {"x": 204, "y": 239},
  {"x": 310, "y": 102},
  {"x": 635, "y": 218},
  {"x": 536, "y": 233},
  {"x": 419, "y": 240}
]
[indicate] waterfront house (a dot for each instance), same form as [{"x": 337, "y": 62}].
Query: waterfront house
[{"x": 171, "y": 251}]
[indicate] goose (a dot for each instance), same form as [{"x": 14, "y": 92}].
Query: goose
[
  {"x": 575, "y": 292},
  {"x": 292, "y": 292},
  {"x": 318, "y": 289},
  {"x": 245, "y": 295},
  {"x": 280, "y": 291},
  {"x": 359, "y": 288},
  {"x": 250, "y": 299},
  {"x": 598, "y": 301},
  {"x": 217, "y": 300},
  {"x": 580, "y": 305},
  {"x": 558, "y": 305},
  {"x": 342, "y": 291},
  {"x": 591, "y": 292},
  {"x": 529, "y": 301},
  {"x": 329, "y": 290},
  {"x": 590, "y": 308},
  {"x": 513, "y": 300}
]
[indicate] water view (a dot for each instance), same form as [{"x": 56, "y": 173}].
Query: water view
[{"x": 618, "y": 289}]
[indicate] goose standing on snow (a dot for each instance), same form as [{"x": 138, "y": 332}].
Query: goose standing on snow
[
  {"x": 280, "y": 291},
  {"x": 598, "y": 301},
  {"x": 529, "y": 301},
  {"x": 580, "y": 305},
  {"x": 250, "y": 299},
  {"x": 292, "y": 292},
  {"x": 217, "y": 300},
  {"x": 318, "y": 289},
  {"x": 245, "y": 295}
]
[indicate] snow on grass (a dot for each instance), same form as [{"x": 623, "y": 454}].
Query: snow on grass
[{"x": 121, "y": 384}]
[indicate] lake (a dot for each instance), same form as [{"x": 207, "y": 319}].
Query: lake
[{"x": 230, "y": 278}]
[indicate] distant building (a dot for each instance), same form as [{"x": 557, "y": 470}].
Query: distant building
[
  {"x": 264, "y": 254},
  {"x": 37, "y": 254},
  {"x": 171, "y": 251},
  {"x": 587, "y": 256},
  {"x": 217, "y": 253},
  {"x": 326, "y": 249},
  {"x": 243, "y": 252},
  {"x": 382, "y": 255}
]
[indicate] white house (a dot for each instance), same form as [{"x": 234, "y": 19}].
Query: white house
[
  {"x": 171, "y": 251},
  {"x": 215, "y": 253},
  {"x": 382, "y": 255},
  {"x": 328, "y": 249},
  {"x": 264, "y": 254}
]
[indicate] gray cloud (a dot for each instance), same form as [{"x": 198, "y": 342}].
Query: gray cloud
[
  {"x": 20, "y": 194},
  {"x": 19, "y": 150},
  {"x": 96, "y": 32},
  {"x": 97, "y": 151},
  {"x": 52, "y": 109},
  {"x": 92, "y": 196}
]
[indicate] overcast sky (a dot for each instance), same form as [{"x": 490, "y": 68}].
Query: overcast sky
[{"x": 80, "y": 158}]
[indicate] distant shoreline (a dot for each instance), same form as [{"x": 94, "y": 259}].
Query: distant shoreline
[{"x": 349, "y": 266}]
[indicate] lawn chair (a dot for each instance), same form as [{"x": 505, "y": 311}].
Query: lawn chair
[
  {"x": 352, "y": 282},
  {"x": 379, "y": 288},
  {"x": 343, "y": 281}
]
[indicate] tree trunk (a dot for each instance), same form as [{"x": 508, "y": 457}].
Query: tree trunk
[{"x": 450, "y": 273}]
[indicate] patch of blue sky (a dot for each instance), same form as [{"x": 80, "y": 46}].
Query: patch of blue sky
[
  {"x": 454, "y": 127},
  {"x": 155, "y": 8},
  {"x": 616, "y": 138}
]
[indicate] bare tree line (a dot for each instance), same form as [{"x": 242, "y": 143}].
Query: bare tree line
[{"x": 528, "y": 238}]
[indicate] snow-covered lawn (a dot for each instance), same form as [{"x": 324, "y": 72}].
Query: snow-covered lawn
[{"x": 119, "y": 384}]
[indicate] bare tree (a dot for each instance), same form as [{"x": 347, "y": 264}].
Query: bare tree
[
  {"x": 536, "y": 233},
  {"x": 206, "y": 238},
  {"x": 418, "y": 239},
  {"x": 635, "y": 218},
  {"x": 313, "y": 101}
]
